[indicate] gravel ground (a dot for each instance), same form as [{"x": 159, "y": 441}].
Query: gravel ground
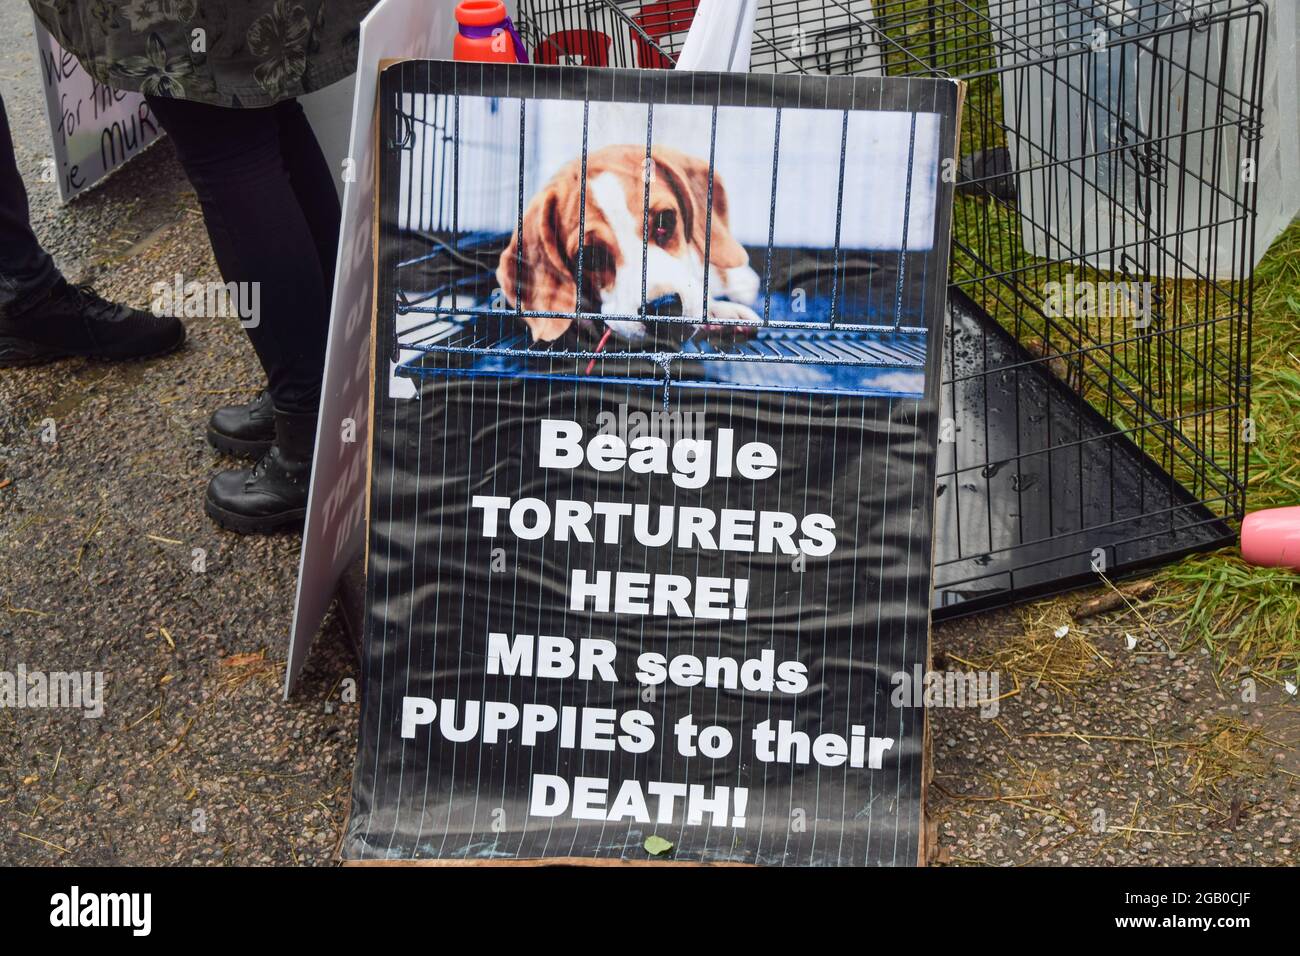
[
  {"x": 197, "y": 760},
  {"x": 1148, "y": 759}
]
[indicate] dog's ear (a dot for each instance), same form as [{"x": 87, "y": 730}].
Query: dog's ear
[
  {"x": 688, "y": 178},
  {"x": 533, "y": 268}
]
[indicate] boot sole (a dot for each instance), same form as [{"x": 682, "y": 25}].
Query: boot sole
[
  {"x": 243, "y": 524},
  {"x": 239, "y": 447},
  {"x": 23, "y": 353}
]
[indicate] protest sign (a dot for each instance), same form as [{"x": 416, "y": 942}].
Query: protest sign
[
  {"x": 333, "y": 533},
  {"x": 94, "y": 129},
  {"x": 652, "y": 465}
]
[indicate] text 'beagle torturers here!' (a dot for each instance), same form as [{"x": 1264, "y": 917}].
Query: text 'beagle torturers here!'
[{"x": 653, "y": 458}]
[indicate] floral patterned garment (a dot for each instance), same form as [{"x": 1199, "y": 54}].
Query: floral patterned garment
[{"x": 245, "y": 54}]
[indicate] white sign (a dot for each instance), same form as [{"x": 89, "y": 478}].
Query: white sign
[
  {"x": 720, "y": 37},
  {"x": 336, "y": 506},
  {"x": 94, "y": 128},
  {"x": 329, "y": 111}
]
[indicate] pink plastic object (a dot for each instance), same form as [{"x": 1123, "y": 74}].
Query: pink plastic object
[{"x": 1272, "y": 538}]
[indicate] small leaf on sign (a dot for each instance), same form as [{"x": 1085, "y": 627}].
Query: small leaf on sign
[{"x": 657, "y": 845}]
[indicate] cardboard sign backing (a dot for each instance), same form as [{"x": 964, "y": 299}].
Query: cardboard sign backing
[{"x": 650, "y": 539}]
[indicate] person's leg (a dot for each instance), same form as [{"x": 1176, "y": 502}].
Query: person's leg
[
  {"x": 248, "y": 429},
  {"x": 26, "y": 270},
  {"x": 313, "y": 183},
  {"x": 42, "y": 316},
  {"x": 260, "y": 233}
]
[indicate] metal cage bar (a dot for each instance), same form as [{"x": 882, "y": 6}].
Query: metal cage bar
[{"x": 1102, "y": 143}]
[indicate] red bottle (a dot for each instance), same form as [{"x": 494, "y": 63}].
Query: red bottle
[{"x": 486, "y": 35}]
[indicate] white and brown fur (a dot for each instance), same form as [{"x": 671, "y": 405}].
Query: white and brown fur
[{"x": 614, "y": 226}]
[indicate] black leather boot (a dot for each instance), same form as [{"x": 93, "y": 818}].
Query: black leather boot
[
  {"x": 247, "y": 430},
  {"x": 72, "y": 320},
  {"x": 273, "y": 493}
]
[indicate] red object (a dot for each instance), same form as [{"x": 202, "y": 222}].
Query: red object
[
  {"x": 484, "y": 35},
  {"x": 600, "y": 345},
  {"x": 591, "y": 45},
  {"x": 1272, "y": 538},
  {"x": 659, "y": 20}
]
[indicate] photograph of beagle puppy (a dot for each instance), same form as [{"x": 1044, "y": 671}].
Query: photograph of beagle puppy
[{"x": 634, "y": 263}]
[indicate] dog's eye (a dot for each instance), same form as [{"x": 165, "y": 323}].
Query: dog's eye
[{"x": 664, "y": 224}]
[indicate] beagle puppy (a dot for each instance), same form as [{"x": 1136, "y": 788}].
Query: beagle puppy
[{"x": 540, "y": 265}]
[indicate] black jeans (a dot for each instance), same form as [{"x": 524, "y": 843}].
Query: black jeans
[
  {"x": 26, "y": 270},
  {"x": 273, "y": 216}
]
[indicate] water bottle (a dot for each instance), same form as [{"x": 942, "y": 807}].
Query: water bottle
[{"x": 486, "y": 35}]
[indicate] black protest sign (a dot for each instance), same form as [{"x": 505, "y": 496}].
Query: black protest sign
[{"x": 653, "y": 464}]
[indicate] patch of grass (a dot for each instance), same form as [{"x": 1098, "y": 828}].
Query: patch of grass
[
  {"x": 1177, "y": 388},
  {"x": 1229, "y": 752},
  {"x": 1248, "y": 616},
  {"x": 1275, "y": 404},
  {"x": 1053, "y": 652}
]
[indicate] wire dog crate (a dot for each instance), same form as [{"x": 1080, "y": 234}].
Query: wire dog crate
[
  {"x": 1095, "y": 392},
  {"x": 835, "y": 308},
  {"x": 448, "y": 322}
]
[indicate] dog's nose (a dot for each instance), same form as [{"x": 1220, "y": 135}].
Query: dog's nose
[{"x": 670, "y": 305}]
